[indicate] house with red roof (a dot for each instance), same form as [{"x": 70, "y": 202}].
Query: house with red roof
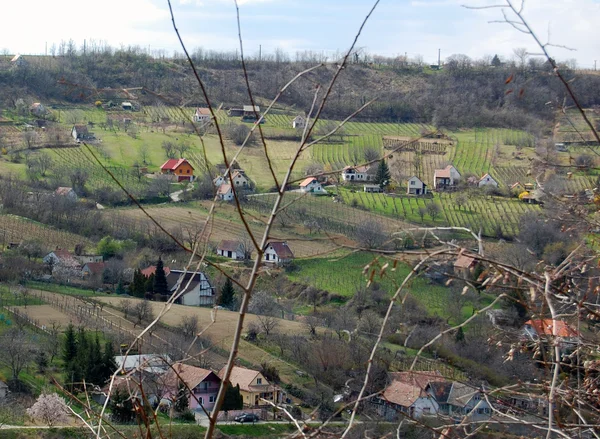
[
  {"x": 93, "y": 270},
  {"x": 445, "y": 178},
  {"x": 547, "y": 330},
  {"x": 56, "y": 256},
  {"x": 311, "y": 185},
  {"x": 149, "y": 271},
  {"x": 253, "y": 386},
  {"x": 224, "y": 192},
  {"x": 202, "y": 115},
  {"x": 203, "y": 384},
  {"x": 278, "y": 252},
  {"x": 180, "y": 168}
]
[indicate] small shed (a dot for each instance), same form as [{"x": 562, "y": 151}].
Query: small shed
[
  {"x": 487, "y": 180},
  {"x": 372, "y": 188}
]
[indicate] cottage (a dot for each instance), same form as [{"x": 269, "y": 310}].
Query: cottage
[
  {"x": 202, "y": 115},
  {"x": 66, "y": 192},
  {"x": 544, "y": 330},
  {"x": 57, "y": 256},
  {"x": 487, "y": 180},
  {"x": 250, "y": 112},
  {"x": 464, "y": 265},
  {"x": 358, "y": 173},
  {"x": 372, "y": 188},
  {"x": 445, "y": 178},
  {"x": 38, "y": 109},
  {"x": 225, "y": 193},
  {"x": 3, "y": 390},
  {"x": 85, "y": 259},
  {"x": 231, "y": 249},
  {"x": 311, "y": 185},
  {"x": 193, "y": 288},
  {"x": 253, "y": 386},
  {"x": 151, "y": 363},
  {"x": 235, "y": 112},
  {"x": 127, "y": 106},
  {"x": 204, "y": 385},
  {"x": 459, "y": 400},
  {"x": 181, "y": 168},
  {"x": 278, "y": 252},
  {"x": 18, "y": 61},
  {"x": 415, "y": 186},
  {"x": 299, "y": 122},
  {"x": 93, "y": 270},
  {"x": 407, "y": 393},
  {"x": 80, "y": 132}
]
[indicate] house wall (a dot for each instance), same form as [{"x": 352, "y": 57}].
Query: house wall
[
  {"x": 477, "y": 409},
  {"x": 227, "y": 197},
  {"x": 424, "y": 407},
  {"x": 272, "y": 256},
  {"x": 2, "y": 392},
  {"x": 234, "y": 255},
  {"x": 312, "y": 187},
  {"x": 488, "y": 181}
]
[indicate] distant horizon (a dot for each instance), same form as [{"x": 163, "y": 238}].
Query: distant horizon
[{"x": 411, "y": 27}]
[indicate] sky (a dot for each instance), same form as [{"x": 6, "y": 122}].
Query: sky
[{"x": 397, "y": 27}]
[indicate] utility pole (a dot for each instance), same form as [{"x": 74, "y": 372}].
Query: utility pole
[
  {"x": 595, "y": 64},
  {"x": 439, "y": 58}
]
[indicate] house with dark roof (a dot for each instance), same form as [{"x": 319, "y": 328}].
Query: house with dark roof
[
  {"x": 459, "y": 400},
  {"x": 192, "y": 288},
  {"x": 203, "y": 384},
  {"x": 92, "y": 270},
  {"x": 253, "y": 386},
  {"x": 278, "y": 252},
  {"x": 311, "y": 185},
  {"x": 81, "y": 132},
  {"x": 407, "y": 393},
  {"x": 445, "y": 178},
  {"x": 231, "y": 249},
  {"x": 180, "y": 168}
]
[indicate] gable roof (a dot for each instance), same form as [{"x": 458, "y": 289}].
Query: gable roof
[
  {"x": 224, "y": 189},
  {"x": 186, "y": 281},
  {"x": 417, "y": 378},
  {"x": 81, "y": 129},
  {"x": 444, "y": 173},
  {"x": 94, "y": 267},
  {"x": 242, "y": 377},
  {"x": 239, "y": 173},
  {"x": 62, "y": 254},
  {"x": 454, "y": 393},
  {"x": 148, "y": 362},
  {"x": 407, "y": 387},
  {"x": 229, "y": 245},
  {"x": 281, "y": 248},
  {"x": 148, "y": 271},
  {"x": 544, "y": 327},
  {"x": 487, "y": 175},
  {"x": 249, "y": 108},
  {"x": 307, "y": 181},
  {"x": 172, "y": 164},
  {"x": 203, "y": 111},
  {"x": 190, "y": 375},
  {"x": 464, "y": 261},
  {"x": 418, "y": 179},
  {"x": 63, "y": 190}
]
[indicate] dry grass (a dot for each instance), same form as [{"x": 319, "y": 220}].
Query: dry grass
[{"x": 46, "y": 314}]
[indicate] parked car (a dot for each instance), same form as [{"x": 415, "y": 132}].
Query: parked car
[{"x": 246, "y": 417}]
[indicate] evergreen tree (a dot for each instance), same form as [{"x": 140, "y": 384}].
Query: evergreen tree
[
  {"x": 121, "y": 407},
  {"x": 137, "y": 287},
  {"x": 382, "y": 177},
  {"x": 496, "y": 61},
  {"x": 183, "y": 401},
  {"x": 227, "y": 293},
  {"x": 120, "y": 288},
  {"x": 149, "y": 284},
  {"x": 69, "y": 346},
  {"x": 94, "y": 363},
  {"x": 460, "y": 335},
  {"x": 160, "y": 279},
  {"x": 108, "y": 362},
  {"x": 233, "y": 399}
]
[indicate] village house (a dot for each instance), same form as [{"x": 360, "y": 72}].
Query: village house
[
  {"x": 372, "y": 188},
  {"x": 93, "y": 270},
  {"x": 487, "y": 180},
  {"x": 253, "y": 386},
  {"x": 193, "y": 288},
  {"x": 57, "y": 256},
  {"x": 38, "y": 109},
  {"x": 445, "y": 178},
  {"x": 415, "y": 186},
  {"x": 299, "y": 122},
  {"x": 85, "y": 259},
  {"x": 231, "y": 249},
  {"x": 151, "y": 363},
  {"x": 278, "y": 252},
  {"x": 536, "y": 330},
  {"x": 464, "y": 266},
  {"x": 312, "y": 185},
  {"x": 459, "y": 400},
  {"x": 180, "y": 168},
  {"x": 204, "y": 385},
  {"x": 239, "y": 178},
  {"x": 250, "y": 112},
  {"x": 81, "y": 132},
  {"x": 407, "y": 393},
  {"x": 358, "y": 173},
  {"x": 224, "y": 192},
  {"x": 66, "y": 192},
  {"x": 202, "y": 115}
]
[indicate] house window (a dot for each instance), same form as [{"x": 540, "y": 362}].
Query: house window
[
  {"x": 200, "y": 400},
  {"x": 480, "y": 411},
  {"x": 266, "y": 256},
  {"x": 412, "y": 183},
  {"x": 188, "y": 171},
  {"x": 426, "y": 410},
  {"x": 211, "y": 398},
  {"x": 258, "y": 380}
]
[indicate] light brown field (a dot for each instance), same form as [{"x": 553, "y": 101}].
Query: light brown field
[{"x": 44, "y": 315}]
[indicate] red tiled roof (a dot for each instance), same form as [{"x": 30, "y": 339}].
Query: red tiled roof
[
  {"x": 190, "y": 375},
  {"x": 242, "y": 376},
  {"x": 95, "y": 267},
  {"x": 173, "y": 164},
  {"x": 148, "y": 271},
  {"x": 544, "y": 327},
  {"x": 307, "y": 181},
  {"x": 407, "y": 387},
  {"x": 203, "y": 111},
  {"x": 62, "y": 254},
  {"x": 223, "y": 189},
  {"x": 464, "y": 261},
  {"x": 63, "y": 190},
  {"x": 282, "y": 249},
  {"x": 443, "y": 173}
]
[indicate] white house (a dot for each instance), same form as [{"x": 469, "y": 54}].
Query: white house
[
  {"x": 80, "y": 132},
  {"x": 231, "y": 249},
  {"x": 67, "y": 192},
  {"x": 239, "y": 178},
  {"x": 372, "y": 188},
  {"x": 447, "y": 177},
  {"x": 193, "y": 289},
  {"x": 299, "y": 122},
  {"x": 86, "y": 259},
  {"x": 202, "y": 115},
  {"x": 56, "y": 256},
  {"x": 487, "y": 180},
  {"x": 225, "y": 193},
  {"x": 358, "y": 173},
  {"x": 407, "y": 394},
  {"x": 312, "y": 185},
  {"x": 458, "y": 400},
  {"x": 415, "y": 186},
  {"x": 278, "y": 252}
]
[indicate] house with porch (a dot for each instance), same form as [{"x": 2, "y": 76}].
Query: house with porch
[
  {"x": 415, "y": 186},
  {"x": 193, "y": 288},
  {"x": 231, "y": 249},
  {"x": 311, "y": 185},
  {"x": 445, "y": 178},
  {"x": 180, "y": 168},
  {"x": 202, "y": 115},
  {"x": 278, "y": 252},
  {"x": 203, "y": 384},
  {"x": 253, "y": 386}
]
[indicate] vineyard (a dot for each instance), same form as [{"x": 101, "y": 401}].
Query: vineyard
[{"x": 14, "y": 229}]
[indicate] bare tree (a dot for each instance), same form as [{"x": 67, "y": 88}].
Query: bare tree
[
  {"x": 268, "y": 324},
  {"x": 189, "y": 326},
  {"x": 142, "y": 312},
  {"x": 17, "y": 351}
]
